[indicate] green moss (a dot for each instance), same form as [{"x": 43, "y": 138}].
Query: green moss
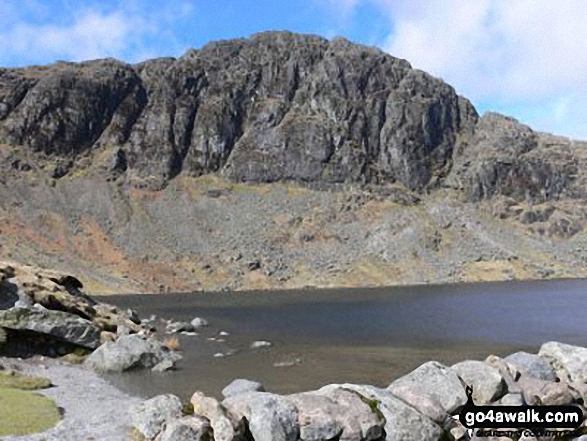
[
  {"x": 14, "y": 380},
  {"x": 188, "y": 408},
  {"x": 24, "y": 412}
]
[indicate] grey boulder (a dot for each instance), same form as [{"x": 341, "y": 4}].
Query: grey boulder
[
  {"x": 59, "y": 325},
  {"x": 435, "y": 380},
  {"x": 402, "y": 422},
  {"x": 130, "y": 352},
  {"x": 149, "y": 417},
  {"x": 223, "y": 423},
  {"x": 515, "y": 399},
  {"x": 547, "y": 393},
  {"x": 189, "y": 428},
  {"x": 532, "y": 365},
  {"x": 271, "y": 417},
  {"x": 358, "y": 417},
  {"x": 487, "y": 382},
  {"x": 241, "y": 386},
  {"x": 570, "y": 362}
]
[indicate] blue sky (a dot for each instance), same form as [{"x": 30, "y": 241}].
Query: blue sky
[{"x": 524, "y": 58}]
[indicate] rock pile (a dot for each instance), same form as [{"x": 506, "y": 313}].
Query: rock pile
[
  {"x": 45, "y": 312},
  {"x": 420, "y": 406}
]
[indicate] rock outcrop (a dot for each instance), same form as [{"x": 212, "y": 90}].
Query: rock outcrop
[
  {"x": 275, "y": 107},
  {"x": 45, "y": 312}
]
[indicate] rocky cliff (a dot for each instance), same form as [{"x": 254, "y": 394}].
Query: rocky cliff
[{"x": 111, "y": 162}]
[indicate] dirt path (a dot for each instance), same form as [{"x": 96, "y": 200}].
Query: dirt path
[{"x": 93, "y": 408}]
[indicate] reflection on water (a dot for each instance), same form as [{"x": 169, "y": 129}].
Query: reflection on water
[{"x": 356, "y": 335}]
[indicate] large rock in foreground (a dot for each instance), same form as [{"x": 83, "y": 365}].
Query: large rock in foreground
[
  {"x": 569, "y": 361},
  {"x": 61, "y": 326},
  {"x": 434, "y": 380}
]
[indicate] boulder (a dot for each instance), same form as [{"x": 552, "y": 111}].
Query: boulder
[
  {"x": 188, "y": 428},
  {"x": 222, "y": 421},
  {"x": 59, "y": 325},
  {"x": 357, "y": 416},
  {"x": 435, "y": 380},
  {"x": 150, "y": 416},
  {"x": 568, "y": 361},
  {"x": 532, "y": 365},
  {"x": 516, "y": 399},
  {"x": 241, "y": 386},
  {"x": 271, "y": 417},
  {"x": 318, "y": 417},
  {"x": 403, "y": 422},
  {"x": 487, "y": 382},
  {"x": 540, "y": 392},
  {"x": 130, "y": 352}
]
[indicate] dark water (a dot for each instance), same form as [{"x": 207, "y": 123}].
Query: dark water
[{"x": 357, "y": 335}]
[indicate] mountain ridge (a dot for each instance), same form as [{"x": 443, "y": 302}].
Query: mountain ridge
[{"x": 294, "y": 152}]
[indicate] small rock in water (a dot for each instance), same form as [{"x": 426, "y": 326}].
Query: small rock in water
[
  {"x": 261, "y": 344},
  {"x": 190, "y": 334},
  {"x": 164, "y": 366},
  {"x": 176, "y": 327},
  {"x": 219, "y": 355},
  {"x": 199, "y": 322},
  {"x": 223, "y": 334},
  {"x": 241, "y": 386},
  {"x": 288, "y": 363}
]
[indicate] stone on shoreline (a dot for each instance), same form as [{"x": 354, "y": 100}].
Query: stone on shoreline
[
  {"x": 271, "y": 417},
  {"x": 150, "y": 416},
  {"x": 241, "y": 386},
  {"x": 488, "y": 384},
  {"x": 188, "y": 428},
  {"x": 435, "y": 380},
  {"x": 130, "y": 352},
  {"x": 532, "y": 365},
  {"x": 568, "y": 361},
  {"x": 223, "y": 422},
  {"x": 402, "y": 421}
]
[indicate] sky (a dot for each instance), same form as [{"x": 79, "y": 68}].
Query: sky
[{"x": 524, "y": 58}]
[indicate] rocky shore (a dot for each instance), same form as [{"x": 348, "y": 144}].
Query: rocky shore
[
  {"x": 420, "y": 406},
  {"x": 46, "y": 313}
]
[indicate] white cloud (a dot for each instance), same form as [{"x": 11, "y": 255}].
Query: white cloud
[
  {"x": 527, "y": 54},
  {"x": 126, "y": 31}
]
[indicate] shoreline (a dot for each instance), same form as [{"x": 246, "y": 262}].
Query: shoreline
[{"x": 348, "y": 288}]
